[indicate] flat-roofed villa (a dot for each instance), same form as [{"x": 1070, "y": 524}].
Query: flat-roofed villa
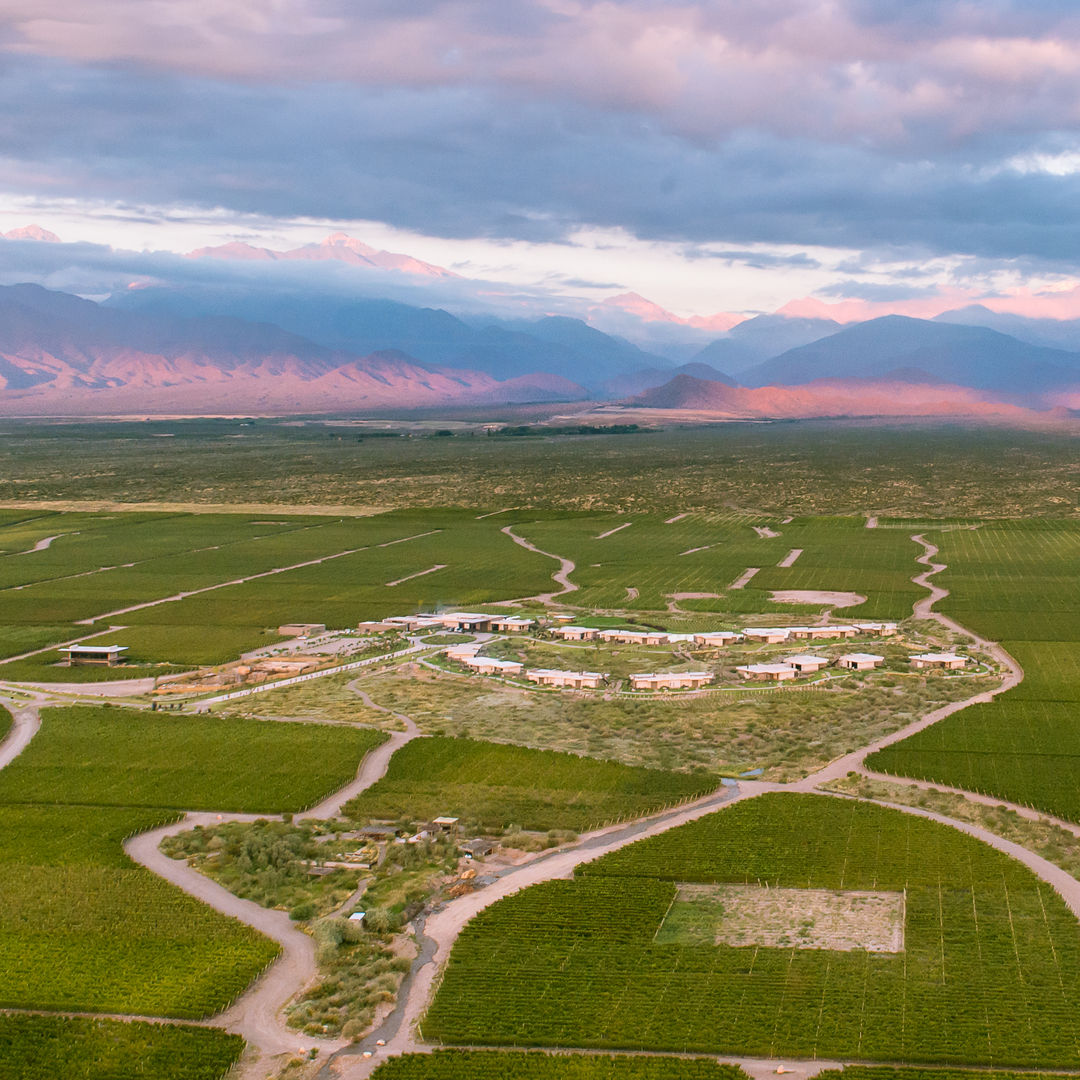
[
  {"x": 813, "y": 633},
  {"x": 414, "y": 622},
  {"x": 671, "y": 680},
  {"x": 301, "y": 629},
  {"x": 770, "y": 635},
  {"x": 806, "y": 665},
  {"x": 490, "y": 665},
  {"x": 948, "y": 661},
  {"x": 717, "y": 639},
  {"x": 767, "y": 672},
  {"x": 474, "y": 621},
  {"x": 878, "y": 629},
  {"x": 635, "y": 637},
  {"x": 575, "y": 633},
  {"x": 859, "y": 661},
  {"x": 570, "y": 680},
  {"x": 511, "y": 623},
  {"x": 463, "y": 652},
  {"x": 109, "y": 655}
]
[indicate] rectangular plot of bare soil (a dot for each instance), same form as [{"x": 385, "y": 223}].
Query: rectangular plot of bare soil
[{"x": 749, "y": 915}]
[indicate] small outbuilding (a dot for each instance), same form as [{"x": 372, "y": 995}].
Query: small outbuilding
[
  {"x": 860, "y": 661},
  {"x": 478, "y": 849}
]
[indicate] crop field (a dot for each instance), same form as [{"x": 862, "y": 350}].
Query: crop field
[
  {"x": 706, "y": 553},
  {"x": 886, "y": 1072},
  {"x": 990, "y": 972},
  {"x": 82, "y": 928},
  {"x": 493, "y": 786},
  {"x": 1015, "y": 582},
  {"x": 97, "y": 566},
  {"x": 131, "y": 758},
  {"x": 511, "y": 1065},
  {"x": 55, "y": 1047}
]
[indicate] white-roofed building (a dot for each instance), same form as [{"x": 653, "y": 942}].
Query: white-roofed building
[
  {"x": 575, "y": 633},
  {"x": 806, "y": 665},
  {"x": 767, "y": 672},
  {"x": 860, "y": 661},
  {"x": 948, "y": 661},
  {"x": 567, "y": 680},
  {"x": 717, "y": 639},
  {"x": 490, "y": 665},
  {"x": 671, "y": 680},
  {"x": 511, "y": 624},
  {"x": 109, "y": 655},
  {"x": 769, "y": 635}
]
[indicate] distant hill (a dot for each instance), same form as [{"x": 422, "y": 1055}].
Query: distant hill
[
  {"x": 60, "y": 354},
  {"x": 638, "y": 381},
  {"x": 824, "y": 398},
  {"x": 971, "y": 356},
  {"x": 760, "y": 338},
  {"x": 565, "y": 347}
]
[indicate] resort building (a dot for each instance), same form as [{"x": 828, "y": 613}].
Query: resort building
[
  {"x": 567, "y": 680},
  {"x": 301, "y": 629},
  {"x": 769, "y": 635},
  {"x": 635, "y": 637},
  {"x": 718, "y": 639},
  {"x": 575, "y": 633},
  {"x": 878, "y": 629},
  {"x": 109, "y": 655},
  {"x": 813, "y": 633},
  {"x": 860, "y": 661},
  {"x": 806, "y": 665},
  {"x": 671, "y": 680},
  {"x": 511, "y": 624},
  {"x": 949, "y": 661},
  {"x": 489, "y": 665},
  {"x": 464, "y": 652},
  {"x": 467, "y": 621},
  {"x": 770, "y": 672}
]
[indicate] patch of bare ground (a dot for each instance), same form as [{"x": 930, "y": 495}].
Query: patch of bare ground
[
  {"x": 744, "y": 578},
  {"x": 765, "y": 532},
  {"x": 817, "y": 596},
  {"x": 790, "y": 557},
  {"x": 771, "y": 918}
]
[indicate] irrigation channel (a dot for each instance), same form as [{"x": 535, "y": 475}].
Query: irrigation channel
[{"x": 257, "y": 1014}]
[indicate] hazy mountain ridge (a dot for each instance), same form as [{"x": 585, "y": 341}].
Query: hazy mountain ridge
[{"x": 61, "y": 353}]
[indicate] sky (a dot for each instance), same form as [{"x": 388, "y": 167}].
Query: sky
[{"x": 727, "y": 156}]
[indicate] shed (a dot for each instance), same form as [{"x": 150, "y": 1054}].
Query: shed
[{"x": 477, "y": 849}]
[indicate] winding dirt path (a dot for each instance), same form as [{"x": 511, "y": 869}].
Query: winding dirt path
[
  {"x": 26, "y": 719},
  {"x": 560, "y": 577}
]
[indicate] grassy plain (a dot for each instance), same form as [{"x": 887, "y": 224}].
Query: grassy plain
[
  {"x": 787, "y": 732},
  {"x": 781, "y": 468},
  {"x": 51, "y": 1047},
  {"x": 131, "y": 758},
  {"x": 990, "y": 972},
  {"x": 511, "y": 1065},
  {"x": 492, "y": 787},
  {"x": 1015, "y": 582}
]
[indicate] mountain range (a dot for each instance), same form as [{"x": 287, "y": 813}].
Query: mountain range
[{"x": 256, "y": 344}]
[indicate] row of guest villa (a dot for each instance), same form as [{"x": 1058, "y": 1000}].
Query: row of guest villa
[{"x": 793, "y": 666}]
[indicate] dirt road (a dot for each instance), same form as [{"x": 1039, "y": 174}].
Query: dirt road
[
  {"x": 560, "y": 577},
  {"x": 27, "y": 722}
]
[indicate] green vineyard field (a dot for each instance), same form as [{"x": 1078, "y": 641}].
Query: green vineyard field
[
  {"x": 60, "y": 1048},
  {"x": 130, "y": 758},
  {"x": 493, "y": 786},
  {"x": 989, "y": 973},
  {"x": 510, "y": 1065}
]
